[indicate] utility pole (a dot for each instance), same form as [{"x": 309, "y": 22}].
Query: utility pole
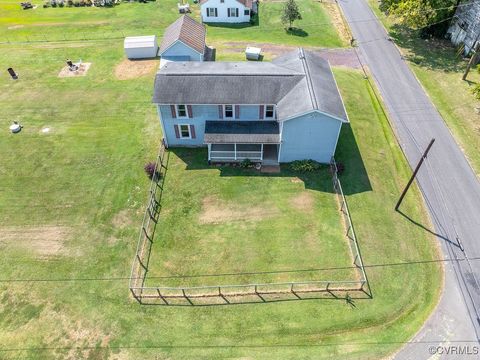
[
  {"x": 404, "y": 192},
  {"x": 473, "y": 59}
]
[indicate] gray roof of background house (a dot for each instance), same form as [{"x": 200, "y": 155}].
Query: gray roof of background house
[
  {"x": 247, "y": 3},
  {"x": 228, "y": 132},
  {"x": 297, "y": 82},
  {"x": 188, "y": 31}
]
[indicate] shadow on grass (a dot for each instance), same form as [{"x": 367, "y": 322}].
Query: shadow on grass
[
  {"x": 296, "y": 32},
  {"x": 354, "y": 178},
  {"x": 432, "y": 53}
]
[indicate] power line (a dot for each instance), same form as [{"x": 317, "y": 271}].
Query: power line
[{"x": 122, "y": 278}]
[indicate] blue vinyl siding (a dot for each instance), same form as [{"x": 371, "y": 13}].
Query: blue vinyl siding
[
  {"x": 311, "y": 136},
  {"x": 181, "y": 50},
  {"x": 201, "y": 113}
]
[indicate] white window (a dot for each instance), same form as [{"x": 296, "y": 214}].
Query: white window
[
  {"x": 212, "y": 12},
  {"x": 228, "y": 111},
  {"x": 269, "y": 111},
  {"x": 246, "y": 12},
  {"x": 184, "y": 131},
  {"x": 182, "y": 111},
  {"x": 232, "y": 12}
]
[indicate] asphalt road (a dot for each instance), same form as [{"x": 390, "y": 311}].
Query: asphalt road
[{"x": 449, "y": 186}]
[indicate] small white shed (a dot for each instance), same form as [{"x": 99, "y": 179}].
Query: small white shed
[{"x": 141, "y": 47}]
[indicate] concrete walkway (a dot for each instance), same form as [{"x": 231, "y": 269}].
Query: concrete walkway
[{"x": 450, "y": 188}]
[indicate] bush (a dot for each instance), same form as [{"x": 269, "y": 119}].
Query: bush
[
  {"x": 46, "y": 5},
  {"x": 340, "y": 168},
  {"x": 476, "y": 91},
  {"x": 76, "y": 3},
  {"x": 88, "y": 3},
  {"x": 150, "y": 170},
  {"x": 69, "y": 3},
  {"x": 305, "y": 165},
  {"x": 246, "y": 163}
]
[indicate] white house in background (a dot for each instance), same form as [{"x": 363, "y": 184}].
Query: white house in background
[
  {"x": 141, "y": 47},
  {"x": 184, "y": 40},
  {"x": 228, "y": 11}
]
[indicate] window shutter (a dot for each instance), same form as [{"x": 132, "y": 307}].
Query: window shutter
[
  {"x": 261, "y": 112},
  {"x": 228, "y": 12},
  {"x": 192, "y": 131},
  {"x": 172, "y": 109},
  {"x": 216, "y": 12},
  {"x": 189, "y": 111},
  {"x": 177, "y": 131},
  {"x": 236, "y": 12},
  {"x": 237, "y": 111},
  {"x": 220, "y": 111}
]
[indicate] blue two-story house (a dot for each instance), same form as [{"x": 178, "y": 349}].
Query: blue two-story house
[{"x": 270, "y": 112}]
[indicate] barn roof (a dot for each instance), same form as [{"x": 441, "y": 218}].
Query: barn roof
[{"x": 188, "y": 31}]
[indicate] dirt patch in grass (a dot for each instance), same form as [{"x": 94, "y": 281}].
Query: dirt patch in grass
[
  {"x": 13, "y": 27},
  {"x": 132, "y": 69},
  {"x": 123, "y": 219},
  {"x": 216, "y": 211},
  {"x": 303, "y": 202},
  {"x": 82, "y": 71},
  {"x": 44, "y": 241}
]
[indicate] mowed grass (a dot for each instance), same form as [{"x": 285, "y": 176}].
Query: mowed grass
[
  {"x": 128, "y": 19},
  {"x": 439, "y": 69},
  {"x": 71, "y": 203},
  {"x": 255, "y": 227}
]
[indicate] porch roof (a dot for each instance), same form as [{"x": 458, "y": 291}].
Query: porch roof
[{"x": 241, "y": 132}]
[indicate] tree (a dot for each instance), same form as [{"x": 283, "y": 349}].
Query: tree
[
  {"x": 290, "y": 13},
  {"x": 420, "y": 14}
]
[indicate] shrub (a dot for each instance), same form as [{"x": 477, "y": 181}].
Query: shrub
[
  {"x": 69, "y": 3},
  {"x": 46, "y": 5},
  {"x": 305, "y": 165},
  {"x": 88, "y": 3},
  {"x": 76, "y": 3},
  {"x": 61, "y": 4},
  {"x": 150, "y": 170},
  {"x": 476, "y": 91},
  {"x": 246, "y": 163},
  {"x": 82, "y": 2},
  {"x": 340, "y": 168}
]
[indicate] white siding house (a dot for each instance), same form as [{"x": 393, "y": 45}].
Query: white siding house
[
  {"x": 227, "y": 11},
  {"x": 141, "y": 47}
]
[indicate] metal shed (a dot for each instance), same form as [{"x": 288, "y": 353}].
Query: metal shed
[{"x": 141, "y": 47}]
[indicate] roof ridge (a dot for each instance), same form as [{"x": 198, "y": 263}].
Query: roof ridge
[{"x": 310, "y": 87}]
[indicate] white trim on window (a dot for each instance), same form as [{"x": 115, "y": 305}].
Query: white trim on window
[
  {"x": 180, "y": 131},
  {"x": 211, "y": 12},
  {"x": 232, "y": 12},
  {"x": 265, "y": 111},
  {"x": 225, "y": 111},
  {"x": 184, "y": 109}
]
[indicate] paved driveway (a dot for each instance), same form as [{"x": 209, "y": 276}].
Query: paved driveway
[{"x": 449, "y": 186}]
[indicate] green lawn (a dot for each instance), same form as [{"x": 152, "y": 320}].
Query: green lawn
[
  {"x": 152, "y": 18},
  {"x": 439, "y": 69},
  {"x": 71, "y": 202},
  {"x": 229, "y": 220}
]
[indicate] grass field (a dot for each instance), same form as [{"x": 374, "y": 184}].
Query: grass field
[
  {"x": 439, "y": 69},
  {"x": 71, "y": 203},
  {"x": 152, "y": 18},
  {"x": 235, "y": 221}
]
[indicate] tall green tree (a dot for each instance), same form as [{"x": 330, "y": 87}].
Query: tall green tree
[
  {"x": 418, "y": 14},
  {"x": 290, "y": 13}
]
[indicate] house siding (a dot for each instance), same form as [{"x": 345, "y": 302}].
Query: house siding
[
  {"x": 222, "y": 12},
  {"x": 180, "y": 49},
  {"x": 200, "y": 114},
  {"x": 311, "y": 136}
]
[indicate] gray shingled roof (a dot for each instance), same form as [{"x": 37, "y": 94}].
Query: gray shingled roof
[
  {"x": 228, "y": 132},
  {"x": 298, "y": 82},
  {"x": 188, "y": 31},
  {"x": 247, "y": 3}
]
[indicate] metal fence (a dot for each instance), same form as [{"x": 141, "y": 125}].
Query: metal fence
[
  {"x": 149, "y": 224},
  {"x": 350, "y": 231},
  {"x": 236, "y": 293}
]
